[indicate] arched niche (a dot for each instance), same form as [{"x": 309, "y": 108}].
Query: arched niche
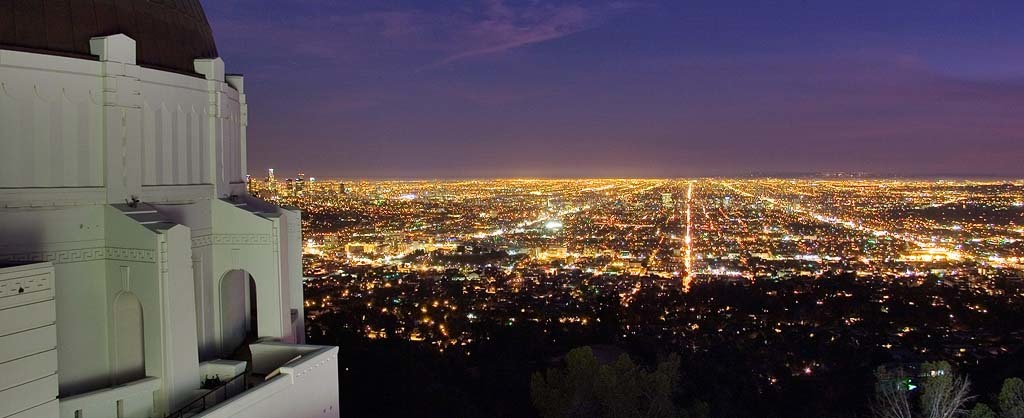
[
  {"x": 129, "y": 351},
  {"x": 238, "y": 311}
]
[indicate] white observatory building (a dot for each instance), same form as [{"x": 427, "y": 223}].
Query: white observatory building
[{"x": 137, "y": 276}]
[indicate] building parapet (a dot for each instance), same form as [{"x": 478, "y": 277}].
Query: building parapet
[
  {"x": 131, "y": 400},
  {"x": 301, "y": 381}
]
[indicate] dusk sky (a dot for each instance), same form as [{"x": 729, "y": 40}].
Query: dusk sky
[{"x": 449, "y": 89}]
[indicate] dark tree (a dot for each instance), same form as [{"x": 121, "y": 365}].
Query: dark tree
[{"x": 586, "y": 388}]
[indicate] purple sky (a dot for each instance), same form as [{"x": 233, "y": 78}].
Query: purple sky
[{"x": 607, "y": 88}]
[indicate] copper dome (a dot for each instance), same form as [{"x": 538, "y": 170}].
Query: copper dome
[{"x": 169, "y": 34}]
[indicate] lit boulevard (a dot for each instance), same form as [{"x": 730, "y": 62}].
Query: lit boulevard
[{"x": 807, "y": 278}]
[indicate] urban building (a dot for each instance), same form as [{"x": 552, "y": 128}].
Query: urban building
[{"x": 138, "y": 278}]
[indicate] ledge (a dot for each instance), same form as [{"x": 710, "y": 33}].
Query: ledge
[
  {"x": 293, "y": 376},
  {"x": 34, "y": 197},
  {"x": 176, "y": 193},
  {"x": 106, "y": 399}
]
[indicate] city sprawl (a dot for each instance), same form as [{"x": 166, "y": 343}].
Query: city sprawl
[{"x": 808, "y": 279}]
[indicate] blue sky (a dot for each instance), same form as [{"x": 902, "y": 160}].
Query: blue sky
[{"x": 431, "y": 89}]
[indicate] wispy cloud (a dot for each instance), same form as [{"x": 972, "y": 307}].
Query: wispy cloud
[
  {"x": 436, "y": 37},
  {"x": 502, "y": 28}
]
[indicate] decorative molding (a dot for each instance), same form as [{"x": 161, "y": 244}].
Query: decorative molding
[
  {"x": 84, "y": 254},
  {"x": 232, "y": 239},
  {"x": 130, "y": 254}
]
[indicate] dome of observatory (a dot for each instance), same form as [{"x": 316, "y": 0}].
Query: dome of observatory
[{"x": 169, "y": 34}]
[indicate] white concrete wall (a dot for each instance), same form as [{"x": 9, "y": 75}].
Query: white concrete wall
[
  {"x": 291, "y": 271},
  {"x": 136, "y": 401},
  {"x": 174, "y": 129},
  {"x": 227, "y": 125},
  {"x": 73, "y": 240},
  {"x": 244, "y": 241},
  {"x": 180, "y": 372},
  {"x": 226, "y": 238},
  {"x": 198, "y": 217},
  {"x": 137, "y": 276},
  {"x": 164, "y": 287},
  {"x": 28, "y": 338},
  {"x": 289, "y": 232},
  {"x": 307, "y": 388},
  {"x": 113, "y": 125},
  {"x": 98, "y": 254},
  {"x": 50, "y": 121},
  {"x": 77, "y": 135}
]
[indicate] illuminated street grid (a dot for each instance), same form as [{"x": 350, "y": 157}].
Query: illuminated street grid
[
  {"x": 737, "y": 228},
  {"x": 802, "y": 274}
]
